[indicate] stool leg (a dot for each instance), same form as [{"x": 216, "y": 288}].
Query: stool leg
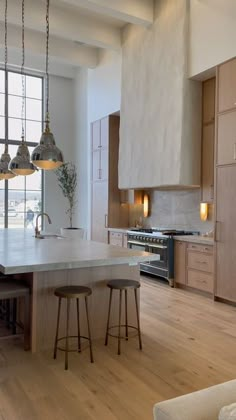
[
  {"x": 138, "y": 322},
  {"x": 89, "y": 333},
  {"x": 126, "y": 314},
  {"x": 120, "y": 305},
  {"x": 108, "y": 318},
  {"x": 58, "y": 321},
  {"x": 79, "y": 343},
  {"x": 14, "y": 309},
  {"x": 27, "y": 322},
  {"x": 67, "y": 333}
]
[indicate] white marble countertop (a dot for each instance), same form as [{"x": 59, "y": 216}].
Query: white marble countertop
[
  {"x": 199, "y": 239},
  {"x": 21, "y": 252}
]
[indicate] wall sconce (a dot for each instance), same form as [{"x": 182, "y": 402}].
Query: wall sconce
[
  {"x": 146, "y": 205},
  {"x": 203, "y": 211}
]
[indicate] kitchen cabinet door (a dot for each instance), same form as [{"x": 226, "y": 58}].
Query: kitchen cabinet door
[
  {"x": 226, "y": 233},
  {"x": 96, "y": 165},
  {"x": 100, "y": 211},
  {"x": 226, "y": 141},
  {"x": 227, "y": 86},
  {"x": 104, "y": 164},
  {"x": 96, "y": 134},
  {"x": 180, "y": 262},
  {"x": 208, "y": 101},
  {"x": 116, "y": 238},
  {"x": 208, "y": 162}
]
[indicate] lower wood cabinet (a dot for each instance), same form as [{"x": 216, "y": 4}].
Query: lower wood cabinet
[
  {"x": 180, "y": 262},
  {"x": 194, "y": 266},
  {"x": 118, "y": 239},
  {"x": 200, "y": 280}
]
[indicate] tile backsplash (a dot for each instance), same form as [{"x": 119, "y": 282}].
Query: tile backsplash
[{"x": 174, "y": 209}]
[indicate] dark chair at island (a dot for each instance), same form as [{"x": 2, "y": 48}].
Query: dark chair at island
[{"x": 10, "y": 291}]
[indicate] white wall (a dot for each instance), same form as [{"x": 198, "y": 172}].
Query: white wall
[
  {"x": 104, "y": 86},
  {"x": 81, "y": 156},
  {"x": 62, "y": 118},
  {"x": 212, "y": 33}
]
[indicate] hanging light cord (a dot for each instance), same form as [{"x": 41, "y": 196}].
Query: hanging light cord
[
  {"x": 22, "y": 71},
  {"x": 47, "y": 75},
  {"x": 6, "y": 92}
]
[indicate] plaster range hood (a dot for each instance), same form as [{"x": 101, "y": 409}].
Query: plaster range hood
[{"x": 160, "y": 118}]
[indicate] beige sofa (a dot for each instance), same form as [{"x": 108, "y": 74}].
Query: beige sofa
[{"x": 199, "y": 405}]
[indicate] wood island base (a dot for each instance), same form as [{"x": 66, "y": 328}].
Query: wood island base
[{"x": 45, "y": 304}]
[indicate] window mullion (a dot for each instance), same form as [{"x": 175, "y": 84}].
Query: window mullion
[{"x": 6, "y": 137}]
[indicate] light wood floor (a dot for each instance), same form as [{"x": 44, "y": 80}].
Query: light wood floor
[{"x": 189, "y": 343}]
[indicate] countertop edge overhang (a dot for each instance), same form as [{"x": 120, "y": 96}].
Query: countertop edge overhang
[{"x": 22, "y": 253}]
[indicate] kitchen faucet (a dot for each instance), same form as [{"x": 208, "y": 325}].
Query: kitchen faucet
[{"x": 37, "y": 231}]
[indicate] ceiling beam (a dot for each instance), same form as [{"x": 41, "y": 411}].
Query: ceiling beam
[
  {"x": 62, "y": 51},
  {"x": 66, "y": 24},
  {"x": 139, "y": 12}
]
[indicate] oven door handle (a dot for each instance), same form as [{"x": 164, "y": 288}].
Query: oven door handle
[
  {"x": 157, "y": 246},
  {"x": 137, "y": 243}
]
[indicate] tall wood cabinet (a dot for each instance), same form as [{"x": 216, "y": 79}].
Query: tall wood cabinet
[
  {"x": 208, "y": 138},
  {"x": 225, "y": 214},
  {"x": 107, "y": 210}
]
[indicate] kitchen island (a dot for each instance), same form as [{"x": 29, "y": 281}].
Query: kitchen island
[{"x": 53, "y": 262}]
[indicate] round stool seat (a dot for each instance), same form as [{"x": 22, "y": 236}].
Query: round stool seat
[
  {"x": 72, "y": 292},
  {"x": 123, "y": 284}
]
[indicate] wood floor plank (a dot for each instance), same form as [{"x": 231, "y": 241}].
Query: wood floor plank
[{"x": 189, "y": 343}]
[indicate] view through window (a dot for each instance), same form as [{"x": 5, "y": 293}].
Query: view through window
[{"x": 20, "y": 197}]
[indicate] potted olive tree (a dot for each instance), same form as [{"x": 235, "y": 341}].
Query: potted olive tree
[{"x": 67, "y": 181}]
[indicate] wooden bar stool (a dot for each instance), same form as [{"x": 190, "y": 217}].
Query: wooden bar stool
[
  {"x": 123, "y": 285},
  {"x": 11, "y": 290},
  {"x": 72, "y": 292}
]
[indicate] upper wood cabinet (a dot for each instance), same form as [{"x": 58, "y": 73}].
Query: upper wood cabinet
[
  {"x": 226, "y": 139},
  {"x": 208, "y": 139},
  {"x": 208, "y": 105},
  {"x": 208, "y": 162},
  {"x": 227, "y": 86},
  {"x": 131, "y": 196}
]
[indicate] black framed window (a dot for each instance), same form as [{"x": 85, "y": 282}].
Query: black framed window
[{"x": 21, "y": 197}]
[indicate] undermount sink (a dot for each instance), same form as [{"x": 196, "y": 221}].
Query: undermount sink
[{"x": 48, "y": 236}]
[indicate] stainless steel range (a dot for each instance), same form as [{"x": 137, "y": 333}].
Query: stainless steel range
[{"x": 157, "y": 241}]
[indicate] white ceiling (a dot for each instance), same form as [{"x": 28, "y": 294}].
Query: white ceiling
[{"x": 78, "y": 29}]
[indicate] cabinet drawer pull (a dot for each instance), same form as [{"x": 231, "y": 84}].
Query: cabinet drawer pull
[{"x": 201, "y": 262}]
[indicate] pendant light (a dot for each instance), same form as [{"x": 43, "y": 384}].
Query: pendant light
[
  {"x": 21, "y": 165},
  {"x": 47, "y": 155},
  {"x": 5, "y": 173}
]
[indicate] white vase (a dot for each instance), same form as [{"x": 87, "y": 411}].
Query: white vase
[{"x": 73, "y": 233}]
